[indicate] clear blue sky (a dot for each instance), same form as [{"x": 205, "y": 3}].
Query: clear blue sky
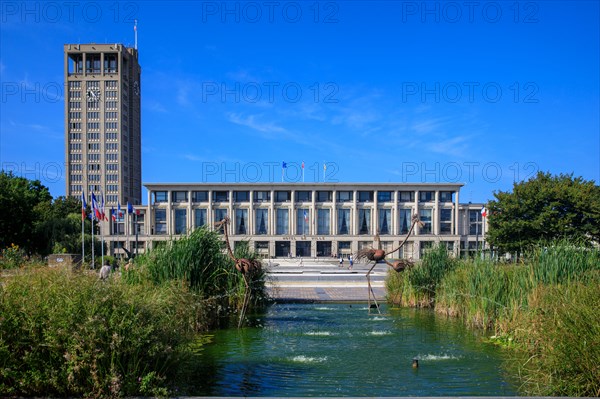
[{"x": 382, "y": 91}]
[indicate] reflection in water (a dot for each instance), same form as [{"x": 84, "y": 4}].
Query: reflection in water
[{"x": 339, "y": 350}]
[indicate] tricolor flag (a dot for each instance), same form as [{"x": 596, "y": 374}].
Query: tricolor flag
[
  {"x": 302, "y": 164},
  {"x": 112, "y": 215},
  {"x": 129, "y": 207},
  {"x": 95, "y": 210},
  {"x": 305, "y": 217},
  {"x": 102, "y": 213},
  {"x": 83, "y": 205},
  {"x": 484, "y": 212},
  {"x": 119, "y": 213}
]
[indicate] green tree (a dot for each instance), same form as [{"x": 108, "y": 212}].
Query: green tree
[
  {"x": 20, "y": 200},
  {"x": 545, "y": 207}
]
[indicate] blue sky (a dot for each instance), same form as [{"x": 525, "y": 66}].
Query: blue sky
[{"x": 481, "y": 93}]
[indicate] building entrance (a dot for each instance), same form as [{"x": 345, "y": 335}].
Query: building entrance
[{"x": 282, "y": 249}]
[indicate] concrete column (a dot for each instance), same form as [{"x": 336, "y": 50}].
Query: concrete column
[
  {"x": 456, "y": 214},
  {"x": 435, "y": 217},
  {"x": 170, "y": 227},
  {"x": 190, "y": 215}
]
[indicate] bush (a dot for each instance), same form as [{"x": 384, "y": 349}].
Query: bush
[{"x": 65, "y": 334}]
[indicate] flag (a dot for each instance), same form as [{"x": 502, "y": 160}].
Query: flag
[
  {"x": 305, "y": 217},
  {"x": 102, "y": 213},
  {"x": 112, "y": 215},
  {"x": 302, "y": 164},
  {"x": 83, "y": 205},
  {"x": 324, "y": 166},
  {"x": 283, "y": 165},
  {"x": 119, "y": 213},
  {"x": 95, "y": 210},
  {"x": 129, "y": 207},
  {"x": 137, "y": 212},
  {"x": 484, "y": 212}
]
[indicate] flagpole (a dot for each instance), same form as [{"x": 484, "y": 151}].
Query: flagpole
[
  {"x": 82, "y": 240},
  {"x": 127, "y": 227},
  {"x": 324, "y": 171},
  {"x": 93, "y": 258},
  {"x": 302, "y": 171}
]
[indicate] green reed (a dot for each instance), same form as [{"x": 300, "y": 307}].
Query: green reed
[{"x": 67, "y": 334}]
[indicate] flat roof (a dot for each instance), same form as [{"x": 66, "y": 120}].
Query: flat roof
[{"x": 304, "y": 185}]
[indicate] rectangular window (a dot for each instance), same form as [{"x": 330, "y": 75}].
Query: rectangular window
[
  {"x": 344, "y": 196},
  {"x": 425, "y": 216},
  {"x": 282, "y": 196},
  {"x": 406, "y": 196},
  {"x": 446, "y": 221},
  {"x": 160, "y": 221},
  {"x": 180, "y": 221},
  {"x": 384, "y": 196},
  {"x": 241, "y": 221},
  {"x": 446, "y": 196},
  {"x": 161, "y": 196},
  {"x": 179, "y": 196},
  {"x": 262, "y": 196},
  {"x": 199, "y": 217},
  {"x": 474, "y": 222},
  {"x": 405, "y": 221},
  {"x": 323, "y": 221},
  {"x": 426, "y": 196},
  {"x": 365, "y": 196},
  {"x": 220, "y": 196},
  {"x": 343, "y": 222},
  {"x": 385, "y": 221},
  {"x": 303, "y": 221},
  {"x": 324, "y": 196},
  {"x": 241, "y": 196},
  {"x": 303, "y": 196},
  {"x": 262, "y": 221},
  {"x": 364, "y": 221},
  {"x": 283, "y": 221},
  {"x": 220, "y": 214},
  {"x": 199, "y": 196}
]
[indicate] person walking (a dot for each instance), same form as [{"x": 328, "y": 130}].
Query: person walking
[
  {"x": 341, "y": 261},
  {"x": 351, "y": 260}
]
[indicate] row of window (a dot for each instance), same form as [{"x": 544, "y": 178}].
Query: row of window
[
  {"x": 303, "y": 196},
  {"x": 343, "y": 226},
  {"x": 93, "y": 63},
  {"x": 93, "y": 105}
]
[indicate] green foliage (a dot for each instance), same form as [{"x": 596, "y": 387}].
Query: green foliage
[
  {"x": 12, "y": 257},
  {"x": 545, "y": 208},
  {"x": 64, "y": 334},
  {"x": 563, "y": 341},
  {"x": 20, "y": 201},
  {"x": 198, "y": 260},
  {"x": 426, "y": 275}
]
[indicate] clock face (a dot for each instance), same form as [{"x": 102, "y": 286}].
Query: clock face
[{"x": 93, "y": 95}]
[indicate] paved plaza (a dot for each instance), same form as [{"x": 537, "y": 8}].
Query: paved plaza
[{"x": 315, "y": 279}]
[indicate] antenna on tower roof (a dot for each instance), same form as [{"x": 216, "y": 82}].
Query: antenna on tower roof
[{"x": 135, "y": 31}]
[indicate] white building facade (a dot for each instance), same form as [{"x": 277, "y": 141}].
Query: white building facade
[{"x": 307, "y": 219}]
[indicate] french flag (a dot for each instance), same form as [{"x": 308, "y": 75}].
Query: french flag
[{"x": 83, "y": 206}]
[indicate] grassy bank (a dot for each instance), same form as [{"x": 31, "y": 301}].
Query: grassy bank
[
  {"x": 68, "y": 333},
  {"x": 556, "y": 287}
]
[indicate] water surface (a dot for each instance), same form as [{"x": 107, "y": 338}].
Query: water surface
[{"x": 341, "y": 350}]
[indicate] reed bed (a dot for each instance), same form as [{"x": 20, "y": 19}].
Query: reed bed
[{"x": 67, "y": 334}]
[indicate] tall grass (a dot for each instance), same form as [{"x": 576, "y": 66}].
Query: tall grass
[
  {"x": 562, "y": 337},
  {"x": 64, "y": 334},
  {"x": 418, "y": 285},
  {"x": 199, "y": 261}
]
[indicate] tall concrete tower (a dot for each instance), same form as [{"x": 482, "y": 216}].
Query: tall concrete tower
[{"x": 103, "y": 122}]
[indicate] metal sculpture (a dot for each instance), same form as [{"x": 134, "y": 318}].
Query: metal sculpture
[
  {"x": 245, "y": 266},
  {"x": 377, "y": 255}
]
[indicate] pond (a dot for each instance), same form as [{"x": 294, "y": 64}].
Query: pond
[{"x": 340, "y": 350}]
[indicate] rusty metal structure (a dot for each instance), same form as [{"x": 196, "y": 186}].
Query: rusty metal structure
[
  {"x": 245, "y": 266},
  {"x": 378, "y": 255}
]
